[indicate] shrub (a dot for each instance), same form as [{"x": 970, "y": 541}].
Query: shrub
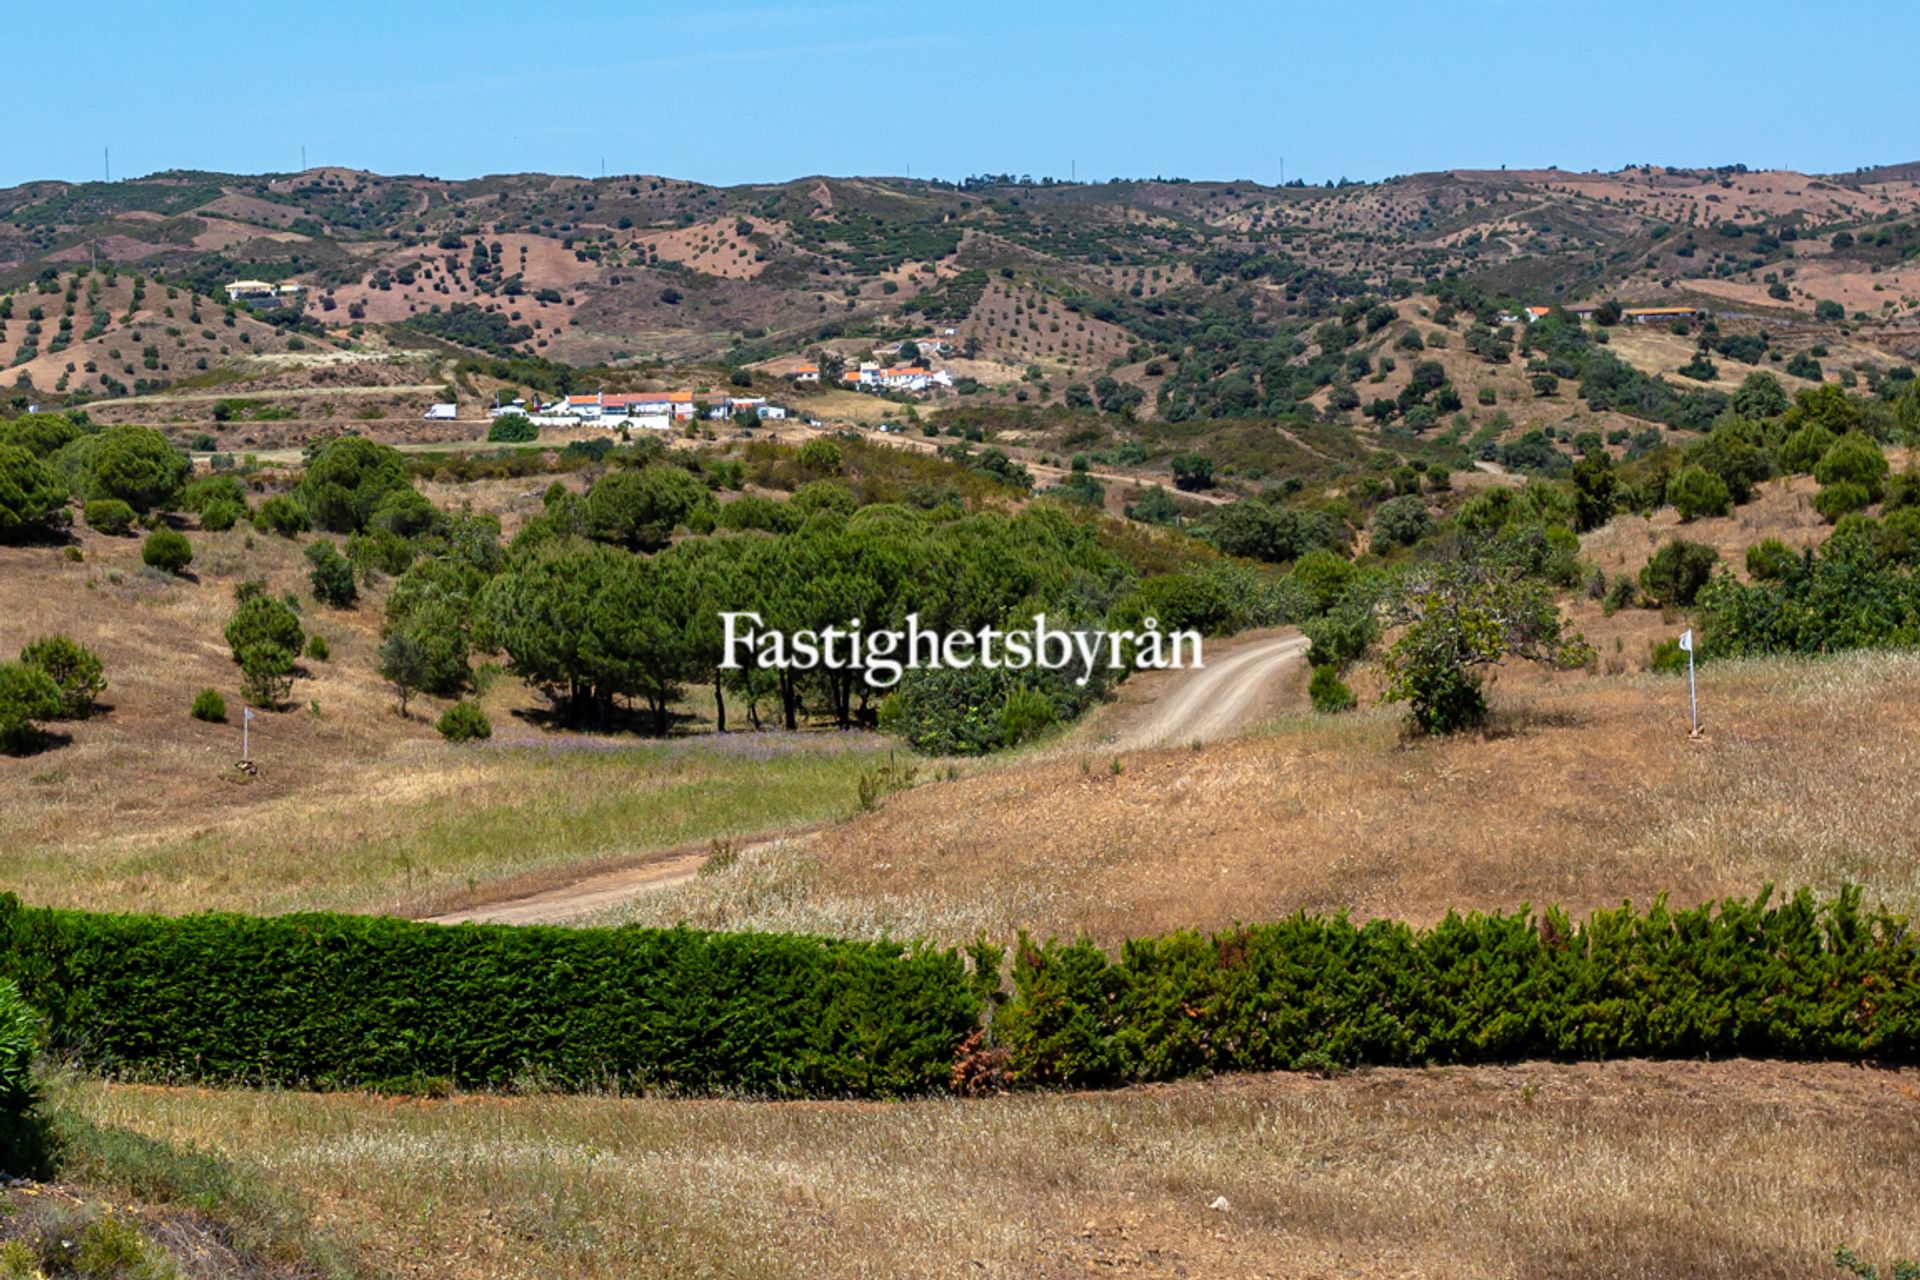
[
  {"x": 1667, "y": 657},
  {"x": 1696, "y": 492},
  {"x": 512, "y": 428},
  {"x": 167, "y": 550},
  {"x": 218, "y": 517},
  {"x": 357, "y": 1001},
  {"x": 1857, "y": 460},
  {"x": 464, "y": 722},
  {"x": 75, "y": 670},
  {"x": 331, "y": 575},
  {"x": 1329, "y": 692},
  {"x": 1401, "y": 522},
  {"x": 32, "y": 498},
  {"x": 110, "y": 516},
  {"x": 19, "y": 1041},
  {"x": 1770, "y": 559},
  {"x": 27, "y": 694},
  {"x": 208, "y": 705},
  {"x": 1841, "y": 498},
  {"x": 283, "y": 515},
  {"x": 318, "y": 649},
  {"x": 210, "y": 490},
  {"x": 1674, "y": 574},
  {"x": 1801, "y": 452}
]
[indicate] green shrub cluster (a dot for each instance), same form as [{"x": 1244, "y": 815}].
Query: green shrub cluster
[
  {"x": 338, "y": 1001},
  {"x": 1799, "y": 979}
]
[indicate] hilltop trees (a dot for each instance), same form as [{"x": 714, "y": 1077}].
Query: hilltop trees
[
  {"x": 640, "y": 509},
  {"x": 346, "y": 481},
  {"x": 137, "y": 466},
  {"x": 32, "y": 498}
]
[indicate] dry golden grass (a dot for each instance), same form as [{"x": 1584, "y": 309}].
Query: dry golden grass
[
  {"x": 140, "y": 808},
  {"x": 1629, "y": 1169},
  {"x": 1585, "y": 792}
]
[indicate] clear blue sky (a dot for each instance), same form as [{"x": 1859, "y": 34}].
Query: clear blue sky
[{"x": 739, "y": 92}]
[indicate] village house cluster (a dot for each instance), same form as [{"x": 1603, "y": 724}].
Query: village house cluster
[{"x": 646, "y": 410}]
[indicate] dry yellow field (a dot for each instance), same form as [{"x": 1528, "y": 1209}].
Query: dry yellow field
[{"x": 1625, "y": 1170}]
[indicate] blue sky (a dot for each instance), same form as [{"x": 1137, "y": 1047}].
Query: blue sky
[{"x": 736, "y": 92}]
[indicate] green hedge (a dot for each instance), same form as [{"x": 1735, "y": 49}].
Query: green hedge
[
  {"x": 1800, "y": 980},
  {"x": 346, "y": 1001},
  {"x": 349, "y": 1001}
]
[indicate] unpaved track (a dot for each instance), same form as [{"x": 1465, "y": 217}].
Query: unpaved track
[
  {"x": 581, "y": 897},
  {"x": 1213, "y": 702},
  {"x": 1202, "y": 706}
]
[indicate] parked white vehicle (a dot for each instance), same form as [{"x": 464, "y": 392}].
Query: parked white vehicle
[{"x": 443, "y": 413}]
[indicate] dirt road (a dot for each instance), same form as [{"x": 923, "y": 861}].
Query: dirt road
[
  {"x": 580, "y": 898},
  {"x": 1213, "y": 702},
  {"x": 1192, "y": 706}
]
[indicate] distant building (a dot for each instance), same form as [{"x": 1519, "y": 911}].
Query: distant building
[
  {"x": 261, "y": 291},
  {"x": 803, "y": 373},
  {"x": 1659, "y": 315},
  {"x": 872, "y": 377}
]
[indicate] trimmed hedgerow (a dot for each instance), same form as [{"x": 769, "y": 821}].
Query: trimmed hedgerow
[
  {"x": 346, "y": 1001},
  {"x": 350, "y": 1001},
  {"x": 1800, "y": 979}
]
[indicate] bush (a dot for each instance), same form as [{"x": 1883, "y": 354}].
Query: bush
[
  {"x": 512, "y": 428},
  {"x": 110, "y": 516},
  {"x": 283, "y": 515},
  {"x": 74, "y": 669},
  {"x": 19, "y": 1041},
  {"x": 1842, "y": 498},
  {"x": 1667, "y": 658},
  {"x": 1329, "y": 692},
  {"x": 1801, "y": 452},
  {"x": 464, "y": 722},
  {"x": 358, "y": 1001},
  {"x": 167, "y": 550},
  {"x": 1770, "y": 559},
  {"x": 208, "y": 705},
  {"x": 318, "y": 649},
  {"x": 27, "y": 694},
  {"x": 331, "y": 575},
  {"x": 1857, "y": 460},
  {"x": 1674, "y": 574},
  {"x": 1696, "y": 492},
  {"x": 1401, "y": 522},
  {"x": 221, "y": 516}
]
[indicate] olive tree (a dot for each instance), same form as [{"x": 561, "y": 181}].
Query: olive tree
[{"x": 1461, "y": 619}]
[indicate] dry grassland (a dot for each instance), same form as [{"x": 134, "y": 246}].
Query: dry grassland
[
  {"x": 355, "y": 808},
  {"x": 1622, "y": 1170},
  {"x": 1585, "y": 791}
]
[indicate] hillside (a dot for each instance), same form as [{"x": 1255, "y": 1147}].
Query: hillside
[{"x": 639, "y": 267}]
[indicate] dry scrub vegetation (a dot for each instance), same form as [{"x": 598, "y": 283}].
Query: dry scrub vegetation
[
  {"x": 1621, "y": 1170},
  {"x": 1586, "y": 791}
]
